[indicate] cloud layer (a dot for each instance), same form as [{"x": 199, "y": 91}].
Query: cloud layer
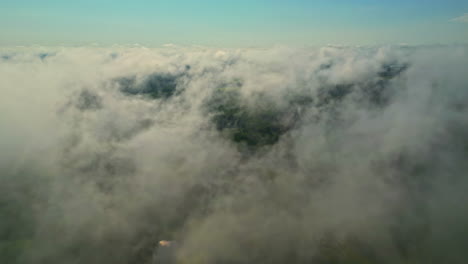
[
  {"x": 277, "y": 155},
  {"x": 463, "y": 18}
]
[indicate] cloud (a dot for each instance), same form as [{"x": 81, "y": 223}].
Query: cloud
[
  {"x": 277, "y": 155},
  {"x": 463, "y": 18}
]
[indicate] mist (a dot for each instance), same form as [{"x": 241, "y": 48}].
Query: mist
[{"x": 278, "y": 155}]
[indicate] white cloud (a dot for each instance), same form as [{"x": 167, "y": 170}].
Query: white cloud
[
  {"x": 369, "y": 135},
  {"x": 463, "y": 18}
]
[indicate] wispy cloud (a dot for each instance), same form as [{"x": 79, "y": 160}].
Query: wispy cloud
[
  {"x": 135, "y": 145},
  {"x": 463, "y": 18}
]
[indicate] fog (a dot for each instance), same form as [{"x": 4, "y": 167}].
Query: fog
[{"x": 278, "y": 155}]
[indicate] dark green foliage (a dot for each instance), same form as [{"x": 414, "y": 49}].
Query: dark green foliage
[
  {"x": 258, "y": 124},
  {"x": 392, "y": 70},
  {"x": 336, "y": 93},
  {"x": 6, "y": 57},
  {"x": 242, "y": 124},
  {"x": 45, "y": 55},
  {"x": 18, "y": 195},
  {"x": 373, "y": 92},
  {"x": 155, "y": 86},
  {"x": 350, "y": 251},
  {"x": 88, "y": 100}
]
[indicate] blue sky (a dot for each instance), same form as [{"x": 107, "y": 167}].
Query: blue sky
[{"x": 233, "y": 23}]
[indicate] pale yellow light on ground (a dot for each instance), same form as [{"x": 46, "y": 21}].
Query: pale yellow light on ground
[{"x": 165, "y": 243}]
